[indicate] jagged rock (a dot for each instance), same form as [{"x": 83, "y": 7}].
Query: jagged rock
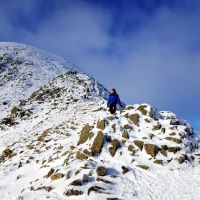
[
  {"x": 134, "y": 118},
  {"x": 139, "y": 144},
  {"x": 131, "y": 148},
  {"x": 176, "y": 140},
  {"x": 147, "y": 120},
  {"x": 87, "y": 152},
  {"x": 97, "y": 144},
  {"x": 160, "y": 162},
  {"x": 182, "y": 158},
  {"x": 85, "y": 178},
  {"x": 157, "y": 127},
  {"x": 163, "y": 130},
  {"x": 101, "y": 171},
  {"x": 72, "y": 192},
  {"x": 101, "y": 124},
  {"x": 142, "y": 109},
  {"x": 81, "y": 156},
  {"x": 151, "y": 149},
  {"x": 77, "y": 182},
  {"x": 174, "y": 149},
  {"x": 115, "y": 145},
  {"x": 127, "y": 126},
  {"x": 49, "y": 173},
  {"x": 85, "y": 134},
  {"x": 46, "y": 188},
  {"x": 113, "y": 126},
  {"x": 124, "y": 170},
  {"x": 143, "y": 167},
  {"x": 163, "y": 150},
  {"x": 7, "y": 152},
  {"x": 172, "y": 134},
  {"x": 103, "y": 180},
  {"x": 125, "y": 135},
  {"x": 95, "y": 189},
  {"x": 57, "y": 176}
]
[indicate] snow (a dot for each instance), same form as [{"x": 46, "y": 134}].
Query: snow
[{"x": 46, "y": 137}]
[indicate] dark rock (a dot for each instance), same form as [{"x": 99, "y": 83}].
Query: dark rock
[
  {"x": 127, "y": 126},
  {"x": 142, "y": 109},
  {"x": 101, "y": 171},
  {"x": 85, "y": 178},
  {"x": 95, "y": 189},
  {"x": 124, "y": 170},
  {"x": 72, "y": 192},
  {"x": 160, "y": 162},
  {"x": 76, "y": 183},
  {"x": 125, "y": 135},
  {"x": 157, "y": 127},
  {"x": 81, "y": 156},
  {"x": 174, "y": 149},
  {"x": 49, "y": 173},
  {"x": 143, "y": 167}
]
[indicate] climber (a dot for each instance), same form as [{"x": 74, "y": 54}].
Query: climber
[{"x": 113, "y": 100}]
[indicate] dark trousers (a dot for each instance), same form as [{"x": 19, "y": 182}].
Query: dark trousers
[{"x": 113, "y": 108}]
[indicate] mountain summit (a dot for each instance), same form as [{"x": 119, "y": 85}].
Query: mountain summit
[{"x": 58, "y": 140}]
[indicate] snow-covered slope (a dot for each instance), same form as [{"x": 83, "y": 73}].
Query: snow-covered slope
[
  {"x": 62, "y": 143},
  {"x": 23, "y": 69}
]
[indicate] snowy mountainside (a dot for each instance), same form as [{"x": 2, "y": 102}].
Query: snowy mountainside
[
  {"x": 23, "y": 69},
  {"x": 60, "y": 142}
]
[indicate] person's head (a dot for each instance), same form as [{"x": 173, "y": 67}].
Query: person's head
[{"x": 113, "y": 91}]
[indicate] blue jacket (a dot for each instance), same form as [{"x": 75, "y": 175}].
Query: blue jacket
[{"x": 114, "y": 99}]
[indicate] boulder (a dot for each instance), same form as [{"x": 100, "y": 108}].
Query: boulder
[
  {"x": 77, "y": 182},
  {"x": 101, "y": 124},
  {"x": 157, "y": 127},
  {"x": 72, "y": 192},
  {"x": 142, "y": 109},
  {"x": 159, "y": 162},
  {"x": 127, "y": 126},
  {"x": 125, "y": 135},
  {"x": 143, "y": 167},
  {"x": 151, "y": 149},
  {"x": 115, "y": 145},
  {"x": 182, "y": 158},
  {"x": 174, "y": 149},
  {"x": 97, "y": 144},
  {"x": 139, "y": 144},
  {"x": 57, "y": 176},
  {"x": 85, "y": 134},
  {"x": 135, "y": 118},
  {"x": 81, "y": 156},
  {"x": 101, "y": 171}
]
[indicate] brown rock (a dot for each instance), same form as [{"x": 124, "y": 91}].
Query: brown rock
[
  {"x": 157, "y": 127},
  {"x": 142, "y": 109},
  {"x": 97, "y": 144},
  {"x": 143, "y": 167},
  {"x": 151, "y": 149},
  {"x": 174, "y": 149},
  {"x": 72, "y": 192},
  {"x": 115, "y": 145},
  {"x": 85, "y": 134},
  {"x": 81, "y": 156},
  {"x": 125, "y": 135},
  {"x": 101, "y": 124},
  {"x": 135, "y": 119},
  {"x": 101, "y": 171},
  {"x": 139, "y": 144},
  {"x": 160, "y": 162},
  {"x": 124, "y": 170},
  {"x": 176, "y": 140}
]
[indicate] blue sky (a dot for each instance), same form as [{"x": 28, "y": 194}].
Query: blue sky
[{"x": 148, "y": 49}]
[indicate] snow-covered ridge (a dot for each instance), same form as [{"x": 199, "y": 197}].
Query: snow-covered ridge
[
  {"x": 23, "y": 69},
  {"x": 59, "y": 141}
]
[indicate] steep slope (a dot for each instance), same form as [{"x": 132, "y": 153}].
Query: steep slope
[
  {"x": 23, "y": 69},
  {"x": 62, "y": 143}
]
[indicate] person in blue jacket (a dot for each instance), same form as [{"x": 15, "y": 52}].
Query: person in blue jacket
[{"x": 113, "y": 100}]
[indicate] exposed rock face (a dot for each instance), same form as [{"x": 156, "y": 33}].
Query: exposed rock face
[
  {"x": 151, "y": 149},
  {"x": 142, "y": 109},
  {"x": 183, "y": 158},
  {"x": 125, "y": 135},
  {"x": 85, "y": 134},
  {"x": 72, "y": 192},
  {"x": 135, "y": 118},
  {"x": 139, "y": 144},
  {"x": 101, "y": 124},
  {"x": 143, "y": 167},
  {"x": 115, "y": 145},
  {"x": 98, "y": 143},
  {"x": 81, "y": 156},
  {"x": 160, "y": 162},
  {"x": 157, "y": 127}
]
